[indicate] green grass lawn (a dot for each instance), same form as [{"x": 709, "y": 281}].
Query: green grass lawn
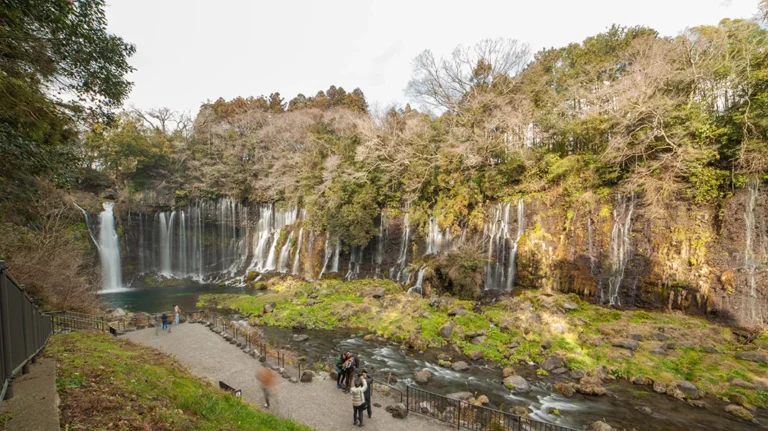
[{"x": 106, "y": 383}]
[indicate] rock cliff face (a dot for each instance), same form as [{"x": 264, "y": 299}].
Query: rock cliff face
[{"x": 612, "y": 250}]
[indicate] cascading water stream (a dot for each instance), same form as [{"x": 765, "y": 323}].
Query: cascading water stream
[
  {"x": 400, "y": 271},
  {"x": 297, "y": 255},
  {"x": 620, "y": 247},
  {"x": 355, "y": 260},
  {"x": 381, "y": 238},
  {"x": 497, "y": 231},
  {"x": 436, "y": 238},
  {"x": 512, "y": 272},
  {"x": 418, "y": 287},
  {"x": 282, "y": 265},
  {"x": 109, "y": 252},
  {"x": 336, "y": 250}
]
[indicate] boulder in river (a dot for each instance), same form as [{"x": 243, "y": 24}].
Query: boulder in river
[
  {"x": 517, "y": 384},
  {"x": 591, "y": 385},
  {"x": 300, "y": 337},
  {"x": 642, "y": 380},
  {"x": 270, "y": 307},
  {"x": 600, "y": 426},
  {"x": 459, "y": 396},
  {"x": 422, "y": 376},
  {"x": 563, "y": 388},
  {"x": 446, "y": 330},
  {"x": 740, "y": 412},
  {"x": 508, "y": 371},
  {"x": 460, "y": 366},
  {"x": 688, "y": 389}
]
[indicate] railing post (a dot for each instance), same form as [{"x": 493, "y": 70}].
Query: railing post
[
  {"x": 407, "y": 397},
  {"x": 24, "y": 329},
  {"x": 6, "y": 331},
  {"x": 458, "y": 422}
]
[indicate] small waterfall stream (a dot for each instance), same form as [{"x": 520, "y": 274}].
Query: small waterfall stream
[
  {"x": 436, "y": 239},
  {"x": 512, "y": 273},
  {"x": 497, "y": 232},
  {"x": 417, "y": 288},
  {"x": 109, "y": 252},
  {"x": 620, "y": 247},
  {"x": 399, "y": 272},
  {"x": 297, "y": 255},
  {"x": 282, "y": 265}
]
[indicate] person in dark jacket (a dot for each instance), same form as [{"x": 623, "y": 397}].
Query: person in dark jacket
[
  {"x": 340, "y": 369},
  {"x": 353, "y": 364},
  {"x": 367, "y": 394},
  {"x": 164, "y": 318}
]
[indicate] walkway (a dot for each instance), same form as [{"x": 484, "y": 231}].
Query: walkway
[
  {"x": 35, "y": 403},
  {"x": 318, "y": 404}
]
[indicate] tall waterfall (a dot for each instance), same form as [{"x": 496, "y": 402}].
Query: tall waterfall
[
  {"x": 399, "y": 273},
  {"x": 331, "y": 256},
  {"x": 381, "y": 239},
  {"x": 282, "y": 265},
  {"x": 336, "y": 250},
  {"x": 297, "y": 255},
  {"x": 271, "y": 223},
  {"x": 620, "y": 247},
  {"x": 436, "y": 238},
  {"x": 109, "y": 252},
  {"x": 753, "y": 239},
  {"x": 497, "y": 231},
  {"x": 512, "y": 272}
]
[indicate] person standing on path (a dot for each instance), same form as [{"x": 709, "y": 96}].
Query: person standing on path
[
  {"x": 358, "y": 401},
  {"x": 164, "y": 319},
  {"x": 177, "y": 313},
  {"x": 266, "y": 378},
  {"x": 350, "y": 371},
  {"x": 367, "y": 394}
]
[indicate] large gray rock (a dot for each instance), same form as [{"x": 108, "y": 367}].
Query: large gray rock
[
  {"x": 570, "y": 306},
  {"x": 300, "y": 337},
  {"x": 552, "y": 362},
  {"x": 478, "y": 340},
  {"x": 307, "y": 376},
  {"x": 460, "y": 311},
  {"x": 517, "y": 384},
  {"x": 379, "y": 293},
  {"x": 740, "y": 411},
  {"x": 460, "y": 366},
  {"x": 471, "y": 335},
  {"x": 689, "y": 390},
  {"x": 600, "y": 426},
  {"x": 333, "y": 374},
  {"x": 628, "y": 344},
  {"x": 758, "y": 357},
  {"x": 422, "y": 376},
  {"x": 270, "y": 307},
  {"x": 446, "y": 330},
  {"x": 398, "y": 411}
]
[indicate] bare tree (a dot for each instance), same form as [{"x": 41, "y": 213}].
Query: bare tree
[{"x": 443, "y": 83}]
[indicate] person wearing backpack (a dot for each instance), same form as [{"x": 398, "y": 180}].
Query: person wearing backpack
[
  {"x": 176, "y": 313},
  {"x": 164, "y": 319}
]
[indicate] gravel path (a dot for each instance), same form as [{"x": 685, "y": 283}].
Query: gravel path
[{"x": 318, "y": 404}]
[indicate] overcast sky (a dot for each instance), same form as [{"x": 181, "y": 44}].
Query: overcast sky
[{"x": 191, "y": 51}]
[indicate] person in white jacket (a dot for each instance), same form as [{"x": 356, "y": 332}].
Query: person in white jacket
[{"x": 358, "y": 401}]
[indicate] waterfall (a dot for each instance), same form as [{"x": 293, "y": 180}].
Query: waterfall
[
  {"x": 297, "y": 255},
  {"x": 267, "y": 235},
  {"x": 620, "y": 247},
  {"x": 88, "y": 225},
  {"x": 435, "y": 237},
  {"x": 282, "y": 265},
  {"x": 355, "y": 260},
  {"x": 335, "y": 265},
  {"x": 512, "y": 271},
  {"x": 381, "y": 238},
  {"x": 165, "y": 247},
  {"x": 109, "y": 251},
  {"x": 400, "y": 271},
  {"x": 497, "y": 231},
  {"x": 593, "y": 260},
  {"x": 417, "y": 288},
  {"x": 261, "y": 237}
]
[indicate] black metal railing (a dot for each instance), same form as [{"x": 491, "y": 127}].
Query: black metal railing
[
  {"x": 64, "y": 321},
  {"x": 24, "y": 331},
  {"x": 388, "y": 389},
  {"x": 463, "y": 414}
]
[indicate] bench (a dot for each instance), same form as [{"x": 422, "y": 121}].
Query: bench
[{"x": 238, "y": 392}]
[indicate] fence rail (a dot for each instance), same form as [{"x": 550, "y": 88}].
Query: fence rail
[
  {"x": 24, "y": 331},
  {"x": 72, "y": 321},
  {"x": 463, "y": 414}
]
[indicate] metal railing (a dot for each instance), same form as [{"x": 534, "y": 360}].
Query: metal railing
[
  {"x": 463, "y": 414},
  {"x": 386, "y": 388},
  {"x": 24, "y": 331},
  {"x": 72, "y": 321}
]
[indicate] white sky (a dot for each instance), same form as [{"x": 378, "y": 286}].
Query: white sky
[{"x": 190, "y": 51}]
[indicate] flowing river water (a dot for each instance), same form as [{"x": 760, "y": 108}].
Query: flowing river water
[{"x": 621, "y": 407}]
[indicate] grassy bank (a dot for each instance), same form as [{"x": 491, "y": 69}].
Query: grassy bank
[
  {"x": 112, "y": 384},
  {"x": 527, "y": 328}
]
